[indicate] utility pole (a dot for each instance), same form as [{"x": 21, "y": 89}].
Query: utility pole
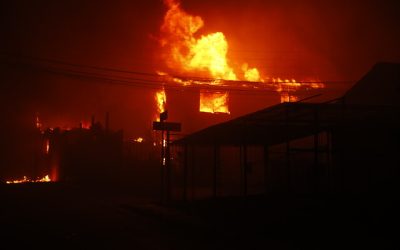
[
  {"x": 165, "y": 153},
  {"x": 163, "y": 117}
]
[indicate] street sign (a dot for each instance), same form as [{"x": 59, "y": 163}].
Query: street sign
[{"x": 167, "y": 126}]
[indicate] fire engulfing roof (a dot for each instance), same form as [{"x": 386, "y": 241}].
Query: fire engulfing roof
[{"x": 288, "y": 121}]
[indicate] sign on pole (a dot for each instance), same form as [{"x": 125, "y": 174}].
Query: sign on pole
[{"x": 167, "y": 126}]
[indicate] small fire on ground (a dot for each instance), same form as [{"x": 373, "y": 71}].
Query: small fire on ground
[{"x": 25, "y": 179}]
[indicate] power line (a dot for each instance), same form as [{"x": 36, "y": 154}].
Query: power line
[
  {"x": 147, "y": 83},
  {"x": 154, "y": 74}
]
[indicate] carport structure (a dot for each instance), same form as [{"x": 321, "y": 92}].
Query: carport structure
[{"x": 281, "y": 125}]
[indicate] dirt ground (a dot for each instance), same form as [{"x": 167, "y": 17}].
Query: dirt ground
[{"x": 66, "y": 216}]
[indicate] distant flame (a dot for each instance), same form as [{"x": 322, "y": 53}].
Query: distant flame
[
  {"x": 86, "y": 124},
  {"x": 252, "y": 74},
  {"x": 138, "y": 140},
  {"x": 27, "y": 180}
]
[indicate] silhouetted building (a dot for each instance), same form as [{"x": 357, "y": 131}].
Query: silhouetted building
[
  {"x": 346, "y": 145},
  {"x": 84, "y": 155}
]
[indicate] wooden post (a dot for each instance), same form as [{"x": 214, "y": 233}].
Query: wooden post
[
  {"x": 266, "y": 167},
  {"x": 185, "y": 171},
  {"x": 241, "y": 169},
  {"x": 168, "y": 167},
  {"x": 193, "y": 162},
  {"x": 316, "y": 153},
  {"x": 329, "y": 159},
  {"x": 215, "y": 170},
  {"x": 245, "y": 169},
  {"x": 288, "y": 168}
]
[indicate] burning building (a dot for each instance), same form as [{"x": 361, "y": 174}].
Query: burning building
[{"x": 200, "y": 62}]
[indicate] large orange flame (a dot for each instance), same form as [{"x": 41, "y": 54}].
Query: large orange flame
[
  {"x": 191, "y": 54},
  {"x": 187, "y": 52},
  {"x": 161, "y": 100}
]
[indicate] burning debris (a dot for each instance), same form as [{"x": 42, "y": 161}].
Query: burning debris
[{"x": 206, "y": 55}]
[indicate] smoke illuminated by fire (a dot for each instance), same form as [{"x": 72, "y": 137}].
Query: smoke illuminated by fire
[{"x": 187, "y": 52}]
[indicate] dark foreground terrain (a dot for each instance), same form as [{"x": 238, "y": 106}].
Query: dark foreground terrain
[{"x": 66, "y": 216}]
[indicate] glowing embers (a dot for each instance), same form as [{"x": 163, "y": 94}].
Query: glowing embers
[
  {"x": 27, "y": 180},
  {"x": 214, "y": 102}
]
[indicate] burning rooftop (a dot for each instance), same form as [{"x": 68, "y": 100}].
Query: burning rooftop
[{"x": 187, "y": 53}]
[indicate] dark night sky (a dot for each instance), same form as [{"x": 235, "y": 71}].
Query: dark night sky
[{"x": 330, "y": 40}]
